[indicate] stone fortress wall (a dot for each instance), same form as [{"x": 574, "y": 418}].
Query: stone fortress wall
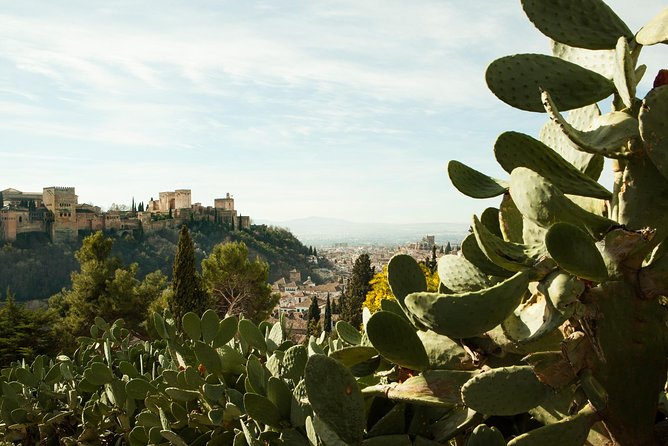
[{"x": 56, "y": 212}]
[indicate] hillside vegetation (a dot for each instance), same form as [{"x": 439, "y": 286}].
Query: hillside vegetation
[{"x": 34, "y": 268}]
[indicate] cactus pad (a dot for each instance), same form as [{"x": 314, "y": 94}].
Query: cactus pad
[
  {"x": 249, "y": 332},
  {"x": 350, "y": 356},
  {"x": 227, "y": 329},
  {"x": 624, "y": 76},
  {"x": 599, "y": 61},
  {"x": 209, "y": 324},
  {"x": 655, "y": 31},
  {"x": 580, "y": 119},
  {"x": 191, "y": 326},
  {"x": 484, "y": 435},
  {"x": 405, "y": 276},
  {"x": 444, "y": 353},
  {"x": 581, "y": 23},
  {"x": 504, "y": 391},
  {"x": 654, "y": 127},
  {"x": 570, "y": 431},
  {"x": 508, "y": 255},
  {"x": 610, "y": 135},
  {"x": 472, "y": 252},
  {"x": 294, "y": 362},
  {"x": 468, "y": 314},
  {"x": 348, "y": 333},
  {"x": 460, "y": 275},
  {"x": 441, "y": 388},
  {"x": 396, "y": 340},
  {"x": 262, "y": 409},
  {"x": 513, "y": 149},
  {"x": 544, "y": 204},
  {"x": 535, "y": 318},
  {"x": 474, "y": 184},
  {"x": 510, "y": 220},
  {"x": 575, "y": 252},
  {"x": 335, "y": 397},
  {"x": 517, "y": 81}
]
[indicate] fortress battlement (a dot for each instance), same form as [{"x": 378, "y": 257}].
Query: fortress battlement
[
  {"x": 61, "y": 188},
  {"x": 57, "y": 212}
]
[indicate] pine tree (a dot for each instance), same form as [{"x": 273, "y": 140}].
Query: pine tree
[
  {"x": 358, "y": 287},
  {"x": 24, "y": 333},
  {"x": 236, "y": 284},
  {"x": 103, "y": 287},
  {"x": 187, "y": 291},
  {"x": 327, "y": 323}
]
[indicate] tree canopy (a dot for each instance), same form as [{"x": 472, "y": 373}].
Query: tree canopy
[
  {"x": 24, "y": 333},
  {"x": 358, "y": 286},
  {"x": 103, "y": 287},
  {"x": 236, "y": 284},
  {"x": 380, "y": 287}
]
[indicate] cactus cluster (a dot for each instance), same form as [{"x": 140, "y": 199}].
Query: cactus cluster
[{"x": 559, "y": 297}]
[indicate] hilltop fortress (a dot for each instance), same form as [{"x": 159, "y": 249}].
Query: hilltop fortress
[{"x": 57, "y": 212}]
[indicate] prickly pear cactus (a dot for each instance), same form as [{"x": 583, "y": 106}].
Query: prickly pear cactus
[{"x": 560, "y": 301}]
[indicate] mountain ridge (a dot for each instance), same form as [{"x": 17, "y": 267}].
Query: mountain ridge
[{"x": 324, "y": 230}]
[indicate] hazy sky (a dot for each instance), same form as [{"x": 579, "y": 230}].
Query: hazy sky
[{"x": 347, "y": 109}]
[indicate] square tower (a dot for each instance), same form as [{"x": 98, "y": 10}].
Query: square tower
[{"x": 62, "y": 203}]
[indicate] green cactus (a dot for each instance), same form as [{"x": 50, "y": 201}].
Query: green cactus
[
  {"x": 587, "y": 301},
  {"x": 591, "y": 268}
]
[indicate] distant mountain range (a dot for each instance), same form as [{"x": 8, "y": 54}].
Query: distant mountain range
[{"x": 320, "y": 231}]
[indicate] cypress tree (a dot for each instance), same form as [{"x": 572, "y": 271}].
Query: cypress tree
[
  {"x": 448, "y": 248},
  {"x": 313, "y": 319},
  {"x": 327, "y": 323},
  {"x": 187, "y": 292},
  {"x": 358, "y": 287},
  {"x": 315, "y": 253},
  {"x": 2, "y": 200},
  {"x": 133, "y": 207}
]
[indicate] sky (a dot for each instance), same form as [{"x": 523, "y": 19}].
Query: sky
[{"x": 343, "y": 109}]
